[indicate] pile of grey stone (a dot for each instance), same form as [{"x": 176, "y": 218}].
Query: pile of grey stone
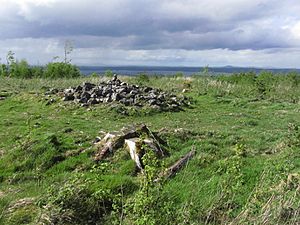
[{"x": 115, "y": 90}]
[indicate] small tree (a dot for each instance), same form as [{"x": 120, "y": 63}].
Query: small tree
[
  {"x": 10, "y": 58},
  {"x": 10, "y": 62},
  {"x": 23, "y": 69},
  {"x": 205, "y": 70},
  {"x": 37, "y": 71},
  {"x": 68, "y": 48}
]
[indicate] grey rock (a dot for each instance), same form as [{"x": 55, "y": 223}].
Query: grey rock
[
  {"x": 161, "y": 97},
  {"x": 93, "y": 101},
  {"x": 69, "y": 91},
  {"x": 116, "y": 97},
  {"x": 174, "y": 106},
  {"x": 86, "y": 95},
  {"x": 155, "y": 107},
  {"x": 77, "y": 95},
  {"x": 100, "y": 100},
  {"x": 121, "y": 90},
  {"x": 94, "y": 95},
  {"x": 125, "y": 102},
  {"x": 117, "y": 82},
  {"x": 98, "y": 92},
  {"x": 50, "y": 102},
  {"x": 88, "y": 86},
  {"x": 83, "y": 100},
  {"x": 106, "y": 92},
  {"x": 53, "y": 91},
  {"x": 115, "y": 77},
  {"x": 107, "y": 99},
  {"x": 68, "y": 97},
  {"x": 152, "y": 102},
  {"x": 78, "y": 88},
  {"x": 147, "y": 89},
  {"x": 133, "y": 92}
]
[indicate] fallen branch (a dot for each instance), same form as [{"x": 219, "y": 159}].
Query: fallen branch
[{"x": 172, "y": 170}]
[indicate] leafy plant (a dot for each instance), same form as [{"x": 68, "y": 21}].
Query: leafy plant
[
  {"x": 60, "y": 69},
  {"x": 178, "y": 75},
  {"x": 142, "y": 78},
  {"x": 108, "y": 73},
  {"x": 20, "y": 69},
  {"x": 150, "y": 205},
  {"x": 75, "y": 202},
  {"x": 3, "y": 70}
]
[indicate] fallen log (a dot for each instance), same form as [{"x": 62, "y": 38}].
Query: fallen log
[{"x": 178, "y": 165}]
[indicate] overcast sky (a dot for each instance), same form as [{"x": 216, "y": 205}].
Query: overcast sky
[{"x": 262, "y": 33}]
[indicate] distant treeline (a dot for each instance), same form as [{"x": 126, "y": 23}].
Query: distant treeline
[{"x": 21, "y": 69}]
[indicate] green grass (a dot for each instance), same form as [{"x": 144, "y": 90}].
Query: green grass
[{"x": 246, "y": 168}]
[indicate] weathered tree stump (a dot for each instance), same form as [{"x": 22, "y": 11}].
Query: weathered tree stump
[
  {"x": 112, "y": 142},
  {"x": 137, "y": 147}
]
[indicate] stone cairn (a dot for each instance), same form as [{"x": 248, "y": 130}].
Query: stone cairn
[{"x": 115, "y": 90}]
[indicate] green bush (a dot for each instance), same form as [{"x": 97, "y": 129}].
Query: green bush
[
  {"x": 294, "y": 77},
  {"x": 52, "y": 70},
  {"x": 37, "y": 71},
  {"x": 109, "y": 73},
  {"x": 94, "y": 74},
  {"x": 76, "y": 202},
  {"x": 150, "y": 205},
  {"x": 264, "y": 83},
  {"x": 3, "y": 70},
  {"x": 239, "y": 78},
  {"x": 142, "y": 78},
  {"x": 20, "y": 69},
  {"x": 179, "y": 75},
  {"x": 60, "y": 69}
]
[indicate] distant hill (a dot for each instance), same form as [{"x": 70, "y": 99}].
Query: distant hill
[{"x": 165, "y": 70}]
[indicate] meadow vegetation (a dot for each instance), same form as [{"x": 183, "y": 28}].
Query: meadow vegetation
[{"x": 244, "y": 127}]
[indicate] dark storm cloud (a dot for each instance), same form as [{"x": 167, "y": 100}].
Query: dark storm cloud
[{"x": 132, "y": 24}]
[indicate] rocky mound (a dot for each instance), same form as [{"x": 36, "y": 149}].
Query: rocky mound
[{"x": 115, "y": 90}]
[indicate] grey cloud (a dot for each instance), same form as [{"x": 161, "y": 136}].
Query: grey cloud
[{"x": 150, "y": 25}]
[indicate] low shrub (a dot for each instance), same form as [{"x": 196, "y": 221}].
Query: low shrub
[
  {"x": 108, "y": 74},
  {"x": 76, "y": 202},
  {"x": 142, "y": 78},
  {"x": 60, "y": 69}
]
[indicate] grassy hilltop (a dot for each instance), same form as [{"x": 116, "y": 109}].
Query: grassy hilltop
[{"x": 245, "y": 129}]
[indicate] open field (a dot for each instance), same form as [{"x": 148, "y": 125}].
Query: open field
[{"x": 245, "y": 130}]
